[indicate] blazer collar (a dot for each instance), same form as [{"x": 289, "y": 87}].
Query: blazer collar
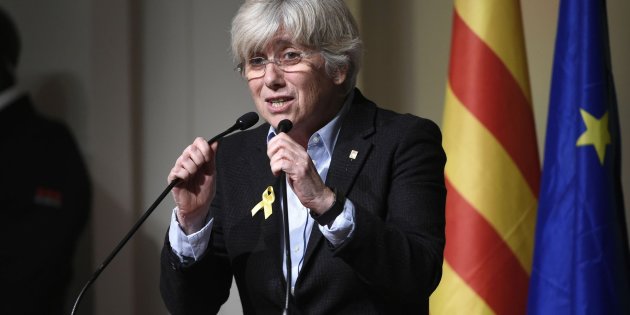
[
  {"x": 353, "y": 144},
  {"x": 254, "y": 153},
  {"x": 352, "y": 148},
  {"x": 351, "y": 151}
]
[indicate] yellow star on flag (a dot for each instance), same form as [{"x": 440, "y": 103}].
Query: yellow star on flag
[{"x": 596, "y": 134}]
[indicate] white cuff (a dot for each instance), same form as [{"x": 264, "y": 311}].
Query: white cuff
[
  {"x": 188, "y": 246},
  {"x": 342, "y": 227}
]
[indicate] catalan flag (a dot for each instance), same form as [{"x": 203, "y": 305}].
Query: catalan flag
[
  {"x": 493, "y": 169},
  {"x": 581, "y": 261}
]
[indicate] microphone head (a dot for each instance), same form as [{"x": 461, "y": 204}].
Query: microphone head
[
  {"x": 285, "y": 126},
  {"x": 247, "y": 120}
]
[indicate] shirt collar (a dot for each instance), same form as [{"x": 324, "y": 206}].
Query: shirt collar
[
  {"x": 9, "y": 95},
  {"x": 328, "y": 133}
]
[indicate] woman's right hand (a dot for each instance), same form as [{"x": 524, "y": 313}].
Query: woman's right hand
[{"x": 193, "y": 195}]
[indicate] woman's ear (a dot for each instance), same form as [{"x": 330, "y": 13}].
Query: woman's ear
[{"x": 340, "y": 75}]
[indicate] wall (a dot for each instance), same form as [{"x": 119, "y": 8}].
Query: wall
[
  {"x": 138, "y": 80},
  {"x": 188, "y": 89}
]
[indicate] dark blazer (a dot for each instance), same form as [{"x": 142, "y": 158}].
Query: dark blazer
[{"x": 390, "y": 265}]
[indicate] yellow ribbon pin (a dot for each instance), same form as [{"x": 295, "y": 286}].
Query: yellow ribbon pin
[{"x": 267, "y": 200}]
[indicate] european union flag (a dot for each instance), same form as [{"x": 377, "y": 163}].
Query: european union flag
[{"x": 581, "y": 260}]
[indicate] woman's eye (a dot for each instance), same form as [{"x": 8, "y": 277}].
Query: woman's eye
[
  {"x": 291, "y": 55},
  {"x": 257, "y": 61}
]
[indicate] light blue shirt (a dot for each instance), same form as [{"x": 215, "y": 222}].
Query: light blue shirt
[{"x": 320, "y": 148}]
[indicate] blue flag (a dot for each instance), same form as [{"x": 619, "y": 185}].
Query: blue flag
[{"x": 581, "y": 260}]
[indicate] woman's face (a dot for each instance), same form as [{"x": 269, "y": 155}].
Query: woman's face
[{"x": 303, "y": 93}]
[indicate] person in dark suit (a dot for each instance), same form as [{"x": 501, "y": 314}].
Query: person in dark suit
[
  {"x": 45, "y": 205},
  {"x": 365, "y": 185}
]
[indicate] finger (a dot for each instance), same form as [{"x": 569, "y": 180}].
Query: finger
[
  {"x": 295, "y": 165},
  {"x": 282, "y": 156},
  {"x": 276, "y": 163},
  {"x": 211, "y": 155},
  {"x": 173, "y": 175},
  {"x": 178, "y": 172},
  {"x": 281, "y": 141},
  {"x": 289, "y": 157},
  {"x": 204, "y": 148},
  {"x": 197, "y": 156},
  {"x": 189, "y": 164},
  {"x": 185, "y": 165},
  {"x": 283, "y": 150},
  {"x": 199, "y": 153}
]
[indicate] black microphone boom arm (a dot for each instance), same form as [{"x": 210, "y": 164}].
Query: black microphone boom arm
[{"x": 244, "y": 122}]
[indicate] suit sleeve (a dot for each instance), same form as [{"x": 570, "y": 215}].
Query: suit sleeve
[
  {"x": 197, "y": 288},
  {"x": 404, "y": 243},
  {"x": 201, "y": 286}
]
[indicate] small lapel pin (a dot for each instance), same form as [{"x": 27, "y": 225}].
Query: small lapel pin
[{"x": 353, "y": 154}]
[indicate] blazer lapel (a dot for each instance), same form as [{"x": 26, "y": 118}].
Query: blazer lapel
[
  {"x": 351, "y": 150},
  {"x": 263, "y": 178}
]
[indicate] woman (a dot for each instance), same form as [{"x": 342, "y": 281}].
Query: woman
[{"x": 366, "y": 188}]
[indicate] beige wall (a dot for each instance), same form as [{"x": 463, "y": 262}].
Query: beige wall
[{"x": 138, "y": 80}]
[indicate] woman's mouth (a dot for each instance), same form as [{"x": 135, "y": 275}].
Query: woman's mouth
[{"x": 279, "y": 103}]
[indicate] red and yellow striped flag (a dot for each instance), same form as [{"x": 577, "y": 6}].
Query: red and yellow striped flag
[{"x": 493, "y": 169}]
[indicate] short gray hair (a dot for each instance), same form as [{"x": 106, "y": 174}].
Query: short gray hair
[{"x": 324, "y": 25}]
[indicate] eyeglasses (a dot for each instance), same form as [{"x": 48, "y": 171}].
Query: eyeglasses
[{"x": 255, "y": 68}]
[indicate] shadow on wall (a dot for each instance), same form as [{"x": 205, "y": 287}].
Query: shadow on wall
[
  {"x": 61, "y": 96},
  {"x": 85, "y": 265},
  {"x": 147, "y": 274}
]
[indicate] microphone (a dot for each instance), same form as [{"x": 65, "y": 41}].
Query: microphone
[
  {"x": 242, "y": 123},
  {"x": 247, "y": 120},
  {"x": 285, "y": 126}
]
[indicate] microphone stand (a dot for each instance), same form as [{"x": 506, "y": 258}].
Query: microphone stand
[
  {"x": 287, "y": 240},
  {"x": 285, "y": 126},
  {"x": 242, "y": 123}
]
